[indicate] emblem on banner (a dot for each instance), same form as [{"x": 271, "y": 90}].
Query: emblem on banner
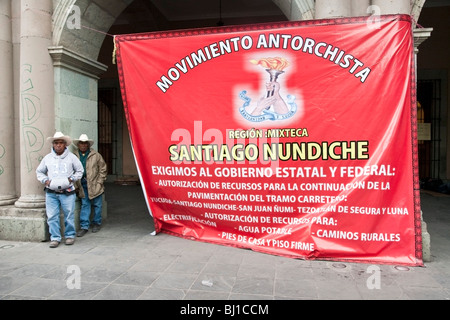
[{"x": 271, "y": 106}]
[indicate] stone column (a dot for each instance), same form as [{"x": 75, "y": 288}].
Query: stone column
[
  {"x": 76, "y": 90},
  {"x": 360, "y": 8},
  {"x": 7, "y": 174},
  {"x": 420, "y": 35},
  {"x": 393, "y": 6},
  {"x": 36, "y": 97},
  {"x": 333, "y": 8}
]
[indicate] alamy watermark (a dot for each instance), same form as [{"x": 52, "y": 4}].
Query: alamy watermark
[
  {"x": 74, "y": 18},
  {"x": 74, "y": 279},
  {"x": 374, "y": 280},
  {"x": 373, "y": 21}
]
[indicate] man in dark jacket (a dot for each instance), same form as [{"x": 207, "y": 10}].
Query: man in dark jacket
[{"x": 91, "y": 186}]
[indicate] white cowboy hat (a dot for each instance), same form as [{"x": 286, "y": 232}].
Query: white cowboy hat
[
  {"x": 60, "y": 136},
  {"x": 83, "y": 138}
]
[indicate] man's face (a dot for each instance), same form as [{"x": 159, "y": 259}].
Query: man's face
[
  {"x": 83, "y": 146},
  {"x": 59, "y": 146}
]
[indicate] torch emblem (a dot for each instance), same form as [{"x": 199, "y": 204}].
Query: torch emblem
[{"x": 271, "y": 106}]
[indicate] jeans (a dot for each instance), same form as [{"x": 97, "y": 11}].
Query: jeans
[
  {"x": 86, "y": 204},
  {"x": 54, "y": 202}
]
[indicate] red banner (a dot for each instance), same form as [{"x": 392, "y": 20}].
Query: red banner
[{"x": 294, "y": 138}]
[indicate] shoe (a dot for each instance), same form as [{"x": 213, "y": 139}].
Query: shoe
[
  {"x": 54, "y": 244},
  {"x": 81, "y": 232},
  {"x": 70, "y": 241},
  {"x": 96, "y": 228}
]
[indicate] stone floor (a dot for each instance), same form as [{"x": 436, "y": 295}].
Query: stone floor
[{"x": 124, "y": 261}]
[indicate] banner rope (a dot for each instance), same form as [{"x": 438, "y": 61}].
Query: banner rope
[
  {"x": 416, "y": 23},
  {"x": 108, "y": 34},
  {"x": 114, "y": 51}
]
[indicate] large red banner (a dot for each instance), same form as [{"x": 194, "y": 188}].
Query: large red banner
[{"x": 294, "y": 138}]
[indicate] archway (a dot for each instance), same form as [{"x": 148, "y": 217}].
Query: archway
[
  {"x": 91, "y": 44},
  {"x": 87, "y": 50}
]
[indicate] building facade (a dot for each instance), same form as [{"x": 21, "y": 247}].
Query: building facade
[{"x": 58, "y": 75}]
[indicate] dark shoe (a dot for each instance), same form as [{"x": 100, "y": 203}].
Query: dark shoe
[
  {"x": 70, "y": 241},
  {"x": 96, "y": 228},
  {"x": 54, "y": 244},
  {"x": 81, "y": 232}
]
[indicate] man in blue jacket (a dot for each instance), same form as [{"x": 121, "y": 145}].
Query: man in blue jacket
[{"x": 58, "y": 171}]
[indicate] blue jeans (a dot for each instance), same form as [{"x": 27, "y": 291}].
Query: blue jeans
[
  {"x": 86, "y": 204},
  {"x": 54, "y": 202}
]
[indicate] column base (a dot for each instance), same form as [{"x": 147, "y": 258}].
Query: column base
[
  {"x": 7, "y": 200},
  {"x": 426, "y": 243},
  {"x": 23, "y": 224},
  {"x": 30, "y": 202},
  {"x": 30, "y": 224}
]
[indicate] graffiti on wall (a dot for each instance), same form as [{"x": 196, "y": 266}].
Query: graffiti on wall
[{"x": 33, "y": 138}]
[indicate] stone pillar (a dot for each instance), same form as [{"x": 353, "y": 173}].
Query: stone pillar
[
  {"x": 15, "y": 22},
  {"x": 34, "y": 108},
  {"x": 333, "y": 8},
  {"x": 393, "y": 6},
  {"x": 7, "y": 164},
  {"x": 75, "y": 93},
  {"x": 76, "y": 86},
  {"x": 360, "y": 8},
  {"x": 420, "y": 35},
  {"x": 36, "y": 97}
]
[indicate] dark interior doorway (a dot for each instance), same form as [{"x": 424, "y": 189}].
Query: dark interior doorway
[
  {"x": 107, "y": 108},
  {"x": 429, "y": 138}
]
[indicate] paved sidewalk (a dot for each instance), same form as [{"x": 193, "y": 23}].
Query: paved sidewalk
[{"x": 125, "y": 262}]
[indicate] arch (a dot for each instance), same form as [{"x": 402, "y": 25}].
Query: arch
[
  {"x": 101, "y": 14},
  {"x": 297, "y": 9},
  {"x": 305, "y": 9},
  {"x": 416, "y": 8},
  {"x": 96, "y": 15}
]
